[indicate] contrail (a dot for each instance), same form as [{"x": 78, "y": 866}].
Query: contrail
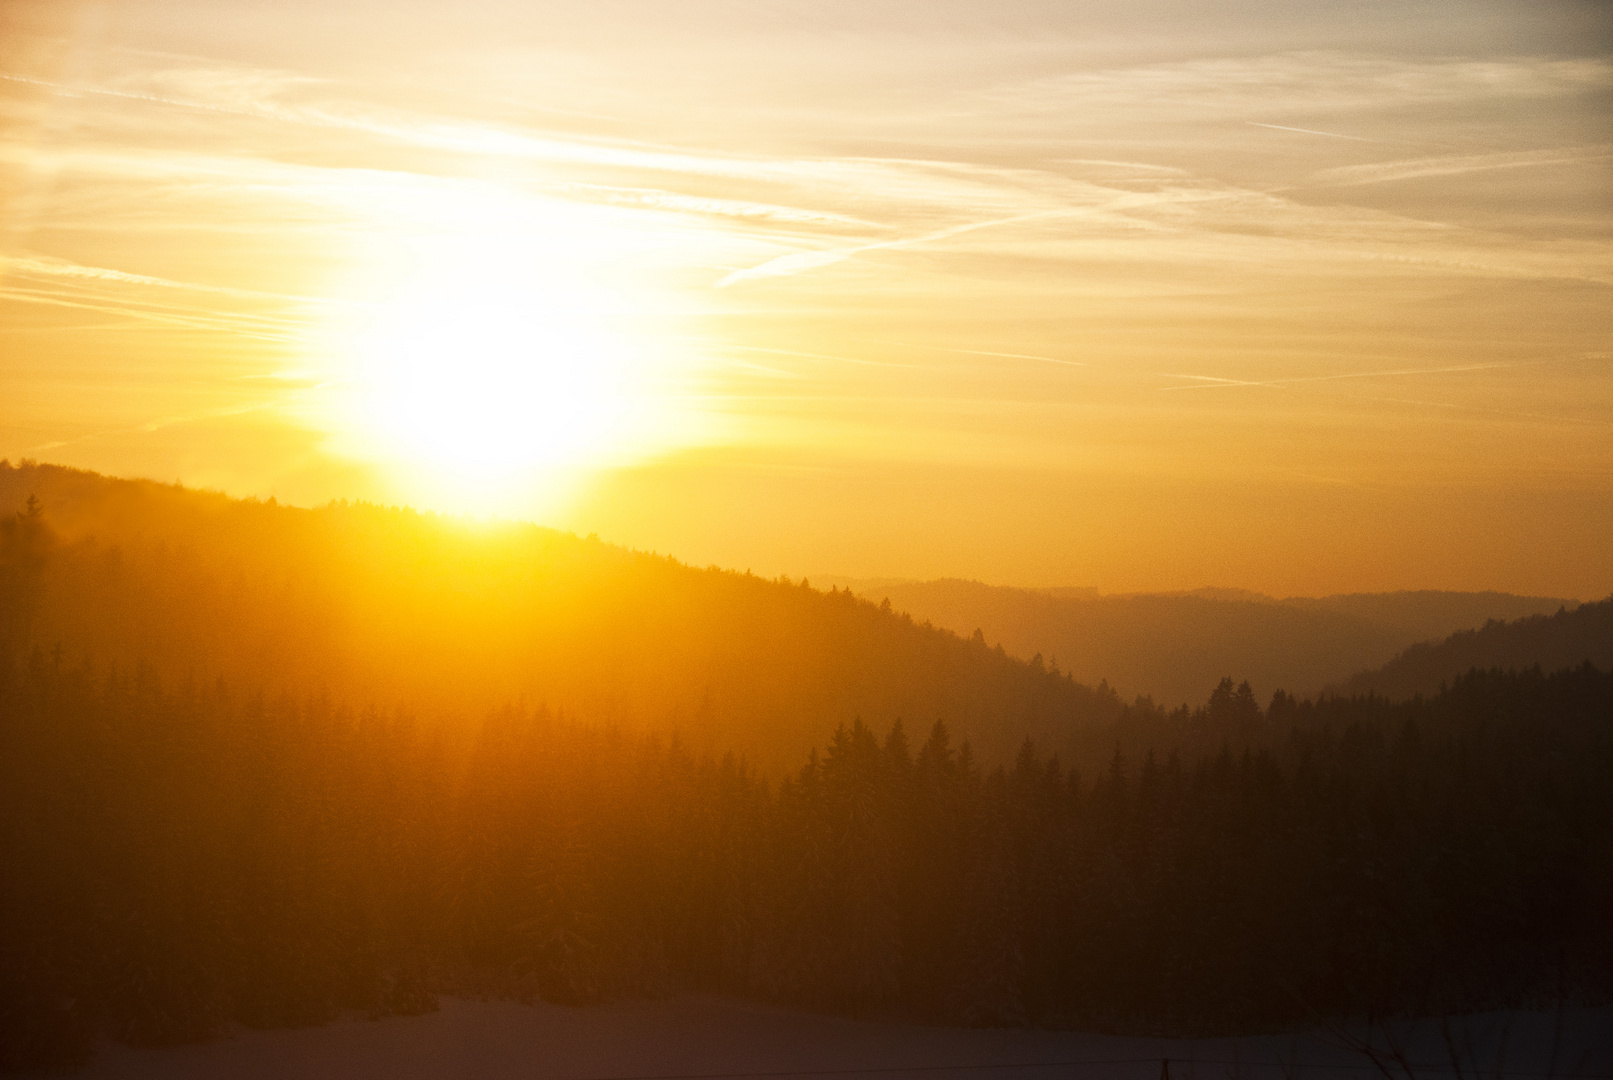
[
  {"x": 60, "y": 268},
  {"x": 1383, "y": 172},
  {"x": 1212, "y": 382},
  {"x": 216, "y": 324},
  {"x": 1208, "y": 382},
  {"x": 460, "y": 139},
  {"x": 814, "y": 355},
  {"x": 1013, "y": 356},
  {"x": 987, "y": 352},
  {"x": 794, "y": 263},
  {"x": 154, "y": 99},
  {"x": 797, "y": 262},
  {"x": 1308, "y": 131}
]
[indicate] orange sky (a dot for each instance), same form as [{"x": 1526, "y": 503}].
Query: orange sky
[{"x": 1298, "y": 297}]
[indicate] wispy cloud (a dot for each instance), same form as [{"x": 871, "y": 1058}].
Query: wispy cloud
[
  {"x": 1095, "y": 202},
  {"x": 468, "y": 138},
  {"x": 1180, "y": 223},
  {"x": 864, "y": 361},
  {"x": 47, "y": 267},
  {"x": 1457, "y": 165},
  {"x": 247, "y": 105},
  {"x": 1308, "y": 131},
  {"x": 660, "y": 199},
  {"x": 218, "y": 322},
  {"x": 1307, "y": 83},
  {"x": 988, "y": 352},
  {"x": 156, "y": 424},
  {"x": 799, "y": 262},
  {"x": 64, "y": 284},
  {"x": 1212, "y": 382},
  {"x": 1014, "y": 356}
]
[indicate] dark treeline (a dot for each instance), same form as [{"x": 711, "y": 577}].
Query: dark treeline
[
  {"x": 177, "y": 859},
  {"x": 1547, "y": 641}
]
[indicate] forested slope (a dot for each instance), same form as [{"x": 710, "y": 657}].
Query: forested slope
[
  {"x": 278, "y": 770},
  {"x": 180, "y": 859},
  {"x": 1175, "y": 647},
  {"x": 386, "y": 606},
  {"x": 1548, "y": 642}
]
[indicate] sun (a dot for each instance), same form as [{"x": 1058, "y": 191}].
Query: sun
[
  {"x": 477, "y": 356},
  {"x": 467, "y": 368},
  {"x": 492, "y": 349}
]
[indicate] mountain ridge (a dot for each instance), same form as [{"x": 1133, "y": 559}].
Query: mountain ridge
[
  {"x": 399, "y": 608},
  {"x": 1176, "y": 646}
]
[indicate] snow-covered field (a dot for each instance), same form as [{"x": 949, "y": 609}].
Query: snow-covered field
[{"x": 695, "y": 1036}]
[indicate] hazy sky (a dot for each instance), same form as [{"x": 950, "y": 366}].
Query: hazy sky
[{"x": 1295, "y": 297}]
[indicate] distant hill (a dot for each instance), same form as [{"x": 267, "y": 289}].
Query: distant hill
[
  {"x": 1551, "y": 642},
  {"x": 444, "y": 617},
  {"x": 1175, "y": 647}
]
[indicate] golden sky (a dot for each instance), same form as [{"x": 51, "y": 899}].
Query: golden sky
[{"x": 1300, "y": 297}]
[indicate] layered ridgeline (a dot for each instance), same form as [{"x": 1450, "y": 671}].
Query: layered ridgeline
[
  {"x": 1548, "y": 642},
  {"x": 389, "y": 607},
  {"x": 1175, "y": 647},
  {"x": 203, "y": 820}
]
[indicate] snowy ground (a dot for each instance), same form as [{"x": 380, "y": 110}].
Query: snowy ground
[{"x": 707, "y": 1037}]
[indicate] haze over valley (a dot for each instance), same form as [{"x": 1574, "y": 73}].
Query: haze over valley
[{"x": 1175, "y": 647}]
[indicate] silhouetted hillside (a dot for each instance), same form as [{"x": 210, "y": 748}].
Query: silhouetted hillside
[
  {"x": 391, "y": 606},
  {"x": 205, "y": 821},
  {"x": 1175, "y": 647},
  {"x": 1550, "y": 642},
  {"x": 181, "y": 859}
]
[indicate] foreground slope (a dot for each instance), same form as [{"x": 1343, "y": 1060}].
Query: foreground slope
[
  {"x": 493, "y": 1040},
  {"x": 1175, "y": 647},
  {"x": 1549, "y": 642},
  {"x": 179, "y": 861},
  {"x": 388, "y": 607}
]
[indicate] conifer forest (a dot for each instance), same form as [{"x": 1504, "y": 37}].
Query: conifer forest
[{"x": 184, "y": 852}]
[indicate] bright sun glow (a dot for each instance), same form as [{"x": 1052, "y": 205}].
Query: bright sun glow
[
  {"x": 481, "y": 347},
  {"x": 462, "y": 368}
]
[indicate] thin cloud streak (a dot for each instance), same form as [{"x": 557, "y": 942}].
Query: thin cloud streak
[
  {"x": 1013, "y": 356},
  {"x": 1211, "y": 382},
  {"x": 63, "y": 268},
  {"x": 827, "y": 180},
  {"x": 800, "y": 262},
  {"x": 813, "y": 355},
  {"x": 1419, "y": 168},
  {"x": 261, "y": 328},
  {"x": 469, "y": 139},
  {"x": 157, "y": 425},
  {"x": 988, "y": 352},
  {"x": 1308, "y": 131},
  {"x": 1307, "y": 83}
]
